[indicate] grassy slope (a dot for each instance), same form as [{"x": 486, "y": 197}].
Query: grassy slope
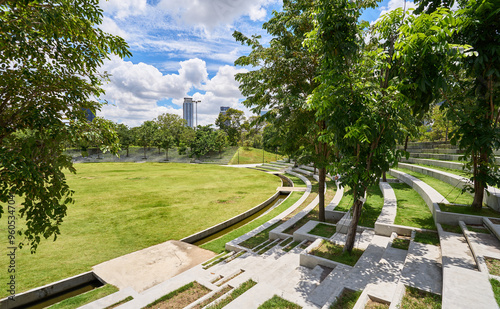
[
  {"x": 412, "y": 209},
  {"x": 252, "y": 155},
  {"x": 124, "y": 207}
]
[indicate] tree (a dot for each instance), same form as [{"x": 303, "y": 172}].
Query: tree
[
  {"x": 231, "y": 122},
  {"x": 285, "y": 76},
  {"x": 204, "y": 142},
  {"x": 169, "y": 130},
  {"x": 50, "y": 54},
  {"x": 125, "y": 135},
  {"x": 145, "y": 134},
  {"x": 361, "y": 112},
  {"x": 220, "y": 141},
  {"x": 455, "y": 54},
  {"x": 187, "y": 136}
]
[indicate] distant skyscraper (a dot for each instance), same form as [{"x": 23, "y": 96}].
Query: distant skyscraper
[
  {"x": 223, "y": 109},
  {"x": 187, "y": 111}
]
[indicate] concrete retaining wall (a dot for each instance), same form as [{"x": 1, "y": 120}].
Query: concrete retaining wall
[
  {"x": 438, "y": 163},
  {"x": 48, "y": 290}
]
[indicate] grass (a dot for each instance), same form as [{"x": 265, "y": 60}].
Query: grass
[
  {"x": 323, "y": 230},
  {"x": 218, "y": 245},
  {"x": 451, "y": 193},
  {"x": 495, "y": 285},
  {"x": 279, "y": 303},
  {"x": 485, "y": 211},
  {"x": 493, "y": 266},
  {"x": 249, "y": 155},
  {"x": 412, "y": 209},
  {"x": 428, "y": 238},
  {"x": 371, "y": 209},
  {"x": 124, "y": 207},
  {"x": 417, "y": 299},
  {"x": 129, "y": 298},
  {"x": 85, "y": 298},
  {"x": 401, "y": 243},
  {"x": 297, "y": 182},
  {"x": 477, "y": 229},
  {"x": 214, "y": 297},
  {"x": 245, "y": 286},
  {"x": 181, "y": 297},
  {"x": 452, "y": 228},
  {"x": 290, "y": 246},
  {"x": 259, "y": 238},
  {"x": 347, "y": 300},
  {"x": 335, "y": 253}
]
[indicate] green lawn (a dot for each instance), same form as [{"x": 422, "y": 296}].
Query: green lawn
[
  {"x": 249, "y": 155},
  {"x": 451, "y": 193},
  {"x": 124, "y": 207},
  {"x": 371, "y": 209},
  {"x": 412, "y": 209}
]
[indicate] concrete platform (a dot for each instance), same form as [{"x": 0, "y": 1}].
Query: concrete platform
[
  {"x": 456, "y": 251},
  {"x": 155, "y": 264},
  {"x": 422, "y": 268}
]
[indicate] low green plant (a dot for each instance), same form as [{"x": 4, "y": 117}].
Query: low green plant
[
  {"x": 85, "y": 298},
  {"x": 417, "y": 299},
  {"x": 291, "y": 246},
  {"x": 347, "y": 299},
  {"x": 127, "y": 299},
  {"x": 401, "y": 243},
  {"x": 451, "y": 228},
  {"x": 245, "y": 286},
  {"x": 428, "y": 238},
  {"x": 495, "y": 285},
  {"x": 336, "y": 253},
  {"x": 323, "y": 230},
  {"x": 278, "y": 303}
]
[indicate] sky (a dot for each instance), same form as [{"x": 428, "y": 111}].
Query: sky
[{"x": 184, "y": 49}]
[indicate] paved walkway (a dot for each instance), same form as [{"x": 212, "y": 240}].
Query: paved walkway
[{"x": 422, "y": 268}]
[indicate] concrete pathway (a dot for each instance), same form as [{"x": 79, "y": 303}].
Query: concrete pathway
[
  {"x": 456, "y": 251},
  {"x": 422, "y": 268}
]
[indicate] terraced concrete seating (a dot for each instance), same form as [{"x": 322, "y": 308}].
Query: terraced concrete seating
[
  {"x": 446, "y": 164},
  {"x": 491, "y": 194}
]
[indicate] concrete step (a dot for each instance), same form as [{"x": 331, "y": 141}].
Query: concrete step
[
  {"x": 456, "y": 251},
  {"x": 422, "y": 268},
  {"x": 465, "y": 288},
  {"x": 332, "y": 283}
]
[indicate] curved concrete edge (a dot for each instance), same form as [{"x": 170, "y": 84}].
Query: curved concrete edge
[
  {"x": 432, "y": 198},
  {"x": 389, "y": 210},
  {"x": 494, "y": 228},
  {"x": 438, "y": 163},
  {"x": 336, "y": 199},
  {"x": 491, "y": 194},
  {"x": 299, "y": 170},
  {"x": 49, "y": 290},
  {"x": 303, "y": 233},
  {"x": 219, "y": 227},
  {"x": 233, "y": 245}
]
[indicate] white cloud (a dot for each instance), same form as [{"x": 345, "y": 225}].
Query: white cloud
[
  {"x": 123, "y": 8},
  {"x": 135, "y": 89},
  {"x": 211, "y": 13},
  {"x": 394, "y": 4},
  {"x": 109, "y": 25}
]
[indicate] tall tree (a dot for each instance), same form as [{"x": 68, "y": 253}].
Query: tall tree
[
  {"x": 285, "y": 76},
  {"x": 453, "y": 56},
  {"x": 125, "y": 136},
  {"x": 169, "y": 130},
  {"x": 362, "y": 116},
  {"x": 146, "y": 134},
  {"x": 50, "y": 54},
  {"x": 231, "y": 122}
]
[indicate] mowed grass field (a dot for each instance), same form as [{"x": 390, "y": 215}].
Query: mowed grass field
[{"x": 124, "y": 207}]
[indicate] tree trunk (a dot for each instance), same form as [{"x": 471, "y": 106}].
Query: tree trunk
[
  {"x": 384, "y": 177},
  {"x": 166, "y": 154},
  {"x": 479, "y": 169},
  {"x": 159, "y": 150},
  {"x": 406, "y": 141},
  {"x": 127, "y": 152},
  {"x": 321, "y": 194},
  {"x": 145, "y": 153},
  {"x": 356, "y": 214}
]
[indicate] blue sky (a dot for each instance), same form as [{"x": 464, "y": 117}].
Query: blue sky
[{"x": 183, "y": 48}]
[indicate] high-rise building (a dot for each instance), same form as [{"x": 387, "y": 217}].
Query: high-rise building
[
  {"x": 223, "y": 109},
  {"x": 187, "y": 111}
]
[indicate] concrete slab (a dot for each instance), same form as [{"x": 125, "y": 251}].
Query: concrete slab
[
  {"x": 455, "y": 251},
  {"x": 155, "y": 264},
  {"x": 422, "y": 268},
  {"x": 485, "y": 244},
  {"x": 465, "y": 288}
]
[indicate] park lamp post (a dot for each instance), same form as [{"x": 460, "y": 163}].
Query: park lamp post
[{"x": 196, "y": 103}]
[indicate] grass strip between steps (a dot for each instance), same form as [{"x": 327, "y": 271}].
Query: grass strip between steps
[
  {"x": 277, "y": 302},
  {"x": 218, "y": 245},
  {"x": 85, "y": 298},
  {"x": 245, "y": 286}
]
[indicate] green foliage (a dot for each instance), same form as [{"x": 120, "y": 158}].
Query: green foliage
[
  {"x": 169, "y": 131},
  {"x": 278, "y": 302},
  {"x": 428, "y": 238},
  {"x": 50, "y": 57},
  {"x": 125, "y": 136},
  {"x": 495, "y": 285},
  {"x": 231, "y": 122},
  {"x": 245, "y": 286}
]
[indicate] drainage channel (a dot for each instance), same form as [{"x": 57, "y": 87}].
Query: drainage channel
[
  {"x": 221, "y": 233},
  {"x": 63, "y": 295}
]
